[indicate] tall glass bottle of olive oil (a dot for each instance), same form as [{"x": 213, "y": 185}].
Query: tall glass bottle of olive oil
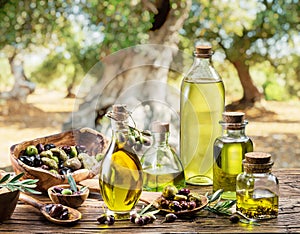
[
  {"x": 201, "y": 106},
  {"x": 229, "y": 151},
  {"x": 121, "y": 175}
]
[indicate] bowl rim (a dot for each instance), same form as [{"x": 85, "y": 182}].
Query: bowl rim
[{"x": 87, "y": 191}]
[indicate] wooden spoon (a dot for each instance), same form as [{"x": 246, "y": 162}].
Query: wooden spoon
[{"x": 74, "y": 217}]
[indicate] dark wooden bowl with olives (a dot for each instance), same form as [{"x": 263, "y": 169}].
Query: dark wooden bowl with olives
[
  {"x": 49, "y": 159},
  {"x": 65, "y": 195}
]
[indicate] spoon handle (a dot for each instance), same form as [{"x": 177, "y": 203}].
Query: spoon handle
[{"x": 31, "y": 201}]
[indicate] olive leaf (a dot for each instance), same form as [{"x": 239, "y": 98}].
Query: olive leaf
[
  {"x": 72, "y": 183},
  {"x": 220, "y": 207},
  {"x": 5, "y": 178},
  {"x": 13, "y": 184}
]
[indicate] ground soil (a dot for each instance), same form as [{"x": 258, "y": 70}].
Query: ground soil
[{"x": 275, "y": 130}]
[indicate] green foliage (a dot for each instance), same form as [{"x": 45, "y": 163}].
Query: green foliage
[
  {"x": 124, "y": 23},
  {"x": 249, "y": 30},
  {"x": 274, "y": 91},
  {"x": 12, "y": 184},
  {"x": 78, "y": 33}
]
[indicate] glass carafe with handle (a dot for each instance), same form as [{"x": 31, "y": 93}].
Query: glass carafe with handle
[{"x": 121, "y": 175}]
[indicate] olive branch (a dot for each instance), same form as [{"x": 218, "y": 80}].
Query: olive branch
[{"x": 12, "y": 184}]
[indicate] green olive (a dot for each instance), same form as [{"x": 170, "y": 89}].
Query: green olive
[
  {"x": 73, "y": 152},
  {"x": 169, "y": 191},
  {"x": 31, "y": 150},
  {"x": 47, "y": 154},
  {"x": 66, "y": 192},
  {"x": 60, "y": 153},
  {"x": 50, "y": 162}
]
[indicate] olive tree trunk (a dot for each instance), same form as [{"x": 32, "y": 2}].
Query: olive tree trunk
[{"x": 135, "y": 76}]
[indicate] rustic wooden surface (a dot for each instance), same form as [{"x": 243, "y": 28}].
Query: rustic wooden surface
[{"x": 28, "y": 219}]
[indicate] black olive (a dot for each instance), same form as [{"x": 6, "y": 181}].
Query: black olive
[
  {"x": 57, "y": 189},
  {"x": 175, "y": 205},
  {"x": 66, "y": 148},
  {"x": 65, "y": 215},
  {"x": 184, "y": 205},
  {"x": 139, "y": 221},
  {"x": 48, "y": 207},
  {"x": 37, "y": 162},
  {"x": 146, "y": 218},
  {"x": 170, "y": 218},
  {"x": 40, "y": 147},
  {"x": 56, "y": 210},
  {"x": 106, "y": 219},
  {"x": 102, "y": 219},
  {"x": 110, "y": 220},
  {"x": 27, "y": 160},
  {"x": 192, "y": 205},
  {"x": 133, "y": 217},
  {"x": 184, "y": 191},
  {"x": 49, "y": 146},
  {"x": 234, "y": 218}
]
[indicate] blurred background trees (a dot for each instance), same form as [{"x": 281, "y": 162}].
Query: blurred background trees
[{"x": 53, "y": 44}]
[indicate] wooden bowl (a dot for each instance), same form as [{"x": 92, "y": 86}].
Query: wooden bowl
[
  {"x": 94, "y": 142},
  {"x": 204, "y": 202},
  {"x": 74, "y": 200},
  {"x": 8, "y": 203}
]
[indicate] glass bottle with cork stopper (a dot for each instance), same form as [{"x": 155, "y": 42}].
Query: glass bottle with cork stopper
[
  {"x": 257, "y": 189},
  {"x": 161, "y": 165},
  {"x": 121, "y": 175},
  {"x": 229, "y": 152},
  {"x": 202, "y": 103}
]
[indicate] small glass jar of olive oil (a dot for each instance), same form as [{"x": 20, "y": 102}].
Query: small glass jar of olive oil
[
  {"x": 257, "y": 189},
  {"x": 229, "y": 152}
]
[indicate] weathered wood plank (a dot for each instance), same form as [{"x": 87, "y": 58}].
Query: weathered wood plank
[{"x": 28, "y": 219}]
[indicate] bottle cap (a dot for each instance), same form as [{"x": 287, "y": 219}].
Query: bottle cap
[
  {"x": 160, "y": 127},
  {"x": 203, "y": 51},
  {"x": 257, "y": 162}
]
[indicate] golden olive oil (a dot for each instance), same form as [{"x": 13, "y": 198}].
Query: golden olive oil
[
  {"x": 259, "y": 204},
  {"x": 228, "y": 164},
  {"x": 156, "y": 180},
  {"x": 202, "y": 105},
  {"x": 121, "y": 179}
]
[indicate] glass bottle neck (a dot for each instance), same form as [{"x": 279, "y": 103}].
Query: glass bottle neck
[
  {"x": 119, "y": 126},
  {"x": 203, "y": 69},
  {"x": 160, "y": 139},
  {"x": 234, "y": 132},
  {"x": 233, "y": 129}
]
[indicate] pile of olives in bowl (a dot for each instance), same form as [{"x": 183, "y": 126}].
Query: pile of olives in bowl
[
  {"x": 59, "y": 160},
  {"x": 179, "y": 202}
]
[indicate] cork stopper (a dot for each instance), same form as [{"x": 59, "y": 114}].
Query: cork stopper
[
  {"x": 233, "y": 117},
  {"x": 119, "y": 112},
  {"x": 233, "y": 120},
  {"x": 203, "y": 51},
  {"x": 257, "y": 162},
  {"x": 160, "y": 127}
]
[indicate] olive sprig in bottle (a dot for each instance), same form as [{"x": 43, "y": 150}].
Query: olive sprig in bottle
[{"x": 137, "y": 138}]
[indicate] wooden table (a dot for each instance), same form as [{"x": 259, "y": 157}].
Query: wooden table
[{"x": 27, "y": 219}]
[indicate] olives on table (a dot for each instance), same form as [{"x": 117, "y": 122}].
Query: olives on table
[
  {"x": 56, "y": 159},
  {"x": 175, "y": 200},
  {"x": 57, "y": 211}
]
